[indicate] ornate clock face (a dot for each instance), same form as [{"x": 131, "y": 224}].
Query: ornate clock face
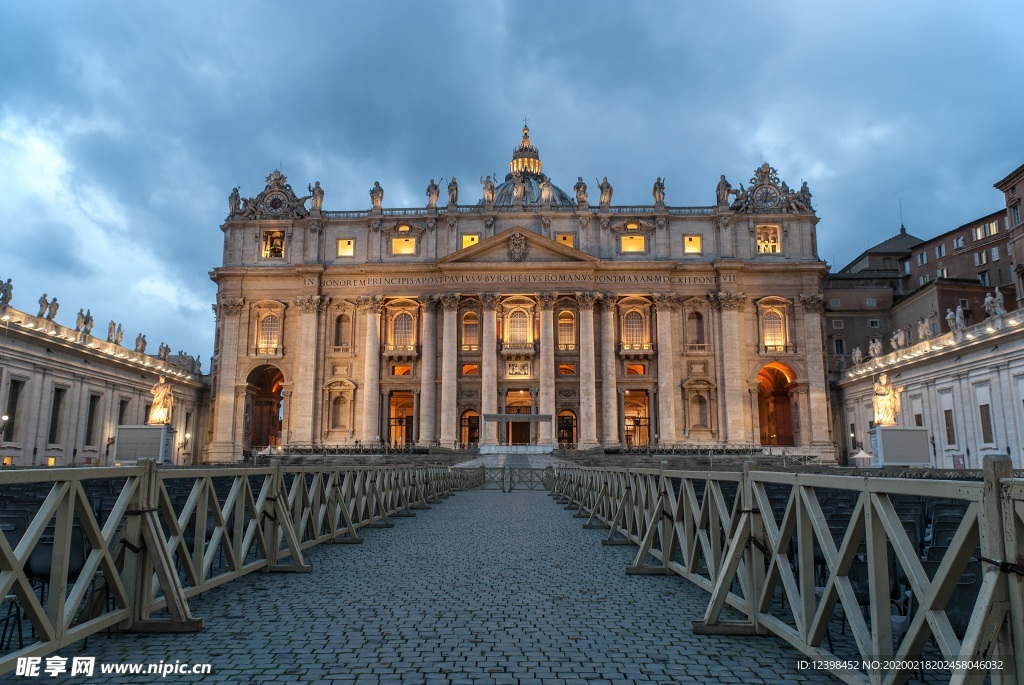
[
  {"x": 276, "y": 203},
  {"x": 766, "y": 196}
]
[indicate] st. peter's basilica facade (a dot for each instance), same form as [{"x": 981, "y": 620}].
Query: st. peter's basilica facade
[{"x": 532, "y": 316}]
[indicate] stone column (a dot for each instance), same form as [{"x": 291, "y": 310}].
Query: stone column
[
  {"x": 427, "y": 414},
  {"x": 621, "y": 426},
  {"x": 415, "y": 437},
  {"x": 665, "y": 305},
  {"x": 227, "y": 412},
  {"x": 546, "y": 374},
  {"x": 588, "y": 381},
  {"x": 533, "y": 410},
  {"x": 306, "y": 395},
  {"x": 730, "y": 305},
  {"x": 489, "y": 362},
  {"x": 609, "y": 386},
  {"x": 449, "y": 358},
  {"x": 370, "y": 306},
  {"x": 815, "y": 426}
]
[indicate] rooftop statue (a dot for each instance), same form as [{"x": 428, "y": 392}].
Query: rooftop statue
[
  {"x": 118, "y": 335},
  {"x": 659, "y": 191},
  {"x": 581, "y": 191},
  {"x": 317, "y": 195},
  {"x": 547, "y": 191},
  {"x": 990, "y": 305},
  {"x": 433, "y": 191},
  {"x": 377, "y": 195},
  {"x": 488, "y": 185},
  {"x": 80, "y": 320},
  {"x": 111, "y": 331},
  {"x": 518, "y": 188},
  {"x": 999, "y": 306},
  {"x": 52, "y": 309},
  {"x": 453, "y": 192},
  {"x": 606, "y": 192},
  {"x": 6, "y": 292},
  {"x": 875, "y": 348},
  {"x": 960, "y": 320},
  {"x": 951, "y": 319},
  {"x": 723, "y": 190},
  {"x": 858, "y": 356},
  {"x": 234, "y": 202},
  {"x": 43, "y": 306}
]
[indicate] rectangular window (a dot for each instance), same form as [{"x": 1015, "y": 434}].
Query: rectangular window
[
  {"x": 906, "y": 268},
  {"x": 470, "y": 369},
  {"x": 691, "y": 244},
  {"x": 636, "y": 370},
  {"x": 346, "y": 247},
  {"x": 403, "y": 246},
  {"x": 632, "y": 243},
  {"x": 947, "y": 417},
  {"x": 1015, "y": 211},
  {"x": 959, "y": 243},
  {"x": 91, "y": 418},
  {"x": 940, "y": 273},
  {"x": 995, "y": 254},
  {"x": 918, "y": 420},
  {"x": 940, "y": 251},
  {"x": 567, "y": 239},
  {"x": 13, "y": 396},
  {"x": 470, "y": 239},
  {"x": 985, "y": 419},
  {"x": 870, "y": 302},
  {"x": 835, "y": 303},
  {"x": 401, "y": 370},
  {"x": 837, "y": 324},
  {"x": 840, "y": 346},
  {"x": 922, "y": 258},
  {"x": 768, "y": 240},
  {"x": 273, "y": 244},
  {"x": 122, "y": 411},
  {"x": 874, "y": 323},
  {"x": 980, "y": 258},
  {"x": 983, "y": 278},
  {"x": 567, "y": 369},
  {"x": 55, "y": 415}
]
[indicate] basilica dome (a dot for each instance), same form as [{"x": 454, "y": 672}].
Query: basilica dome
[{"x": 527, "y": 166}]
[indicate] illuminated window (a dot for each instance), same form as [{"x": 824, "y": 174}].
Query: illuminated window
[
  {"x": 346, "y": 247},
  {"x": 518, "y": 327},
  {"x": 270, "y": 328},
  {"x": 470, "y": 240},
  {"x": 691, "y": 244},
  {"x": 566, "y": 331},
  {"x": 567, "y": 369},
  {"x": 768, "y": 240},
  {"x": 400, "y": 246},
  {"x": 403, "y": 228},
  {"x": 273, "y": 244},
  {"x": 470, "y": 331},
  {"x": 401, "y": 370},
  {"x": 636, "y": 370},
  {"x": 633, "y": 328},
  {"x": 402, "y": 331},
  {"x": 632, "y": 243},
  {"x": 470, "y": 370},
  {"x": 772, "y": 331},
  {"x": 567, "y": 239}
]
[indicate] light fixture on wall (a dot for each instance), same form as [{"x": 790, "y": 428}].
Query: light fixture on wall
[
  {"x": 184, "y": 443},
  {"x": 3, "y": 425}
]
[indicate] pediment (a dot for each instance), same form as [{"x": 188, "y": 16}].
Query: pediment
[{"x": 518, "y": 246}]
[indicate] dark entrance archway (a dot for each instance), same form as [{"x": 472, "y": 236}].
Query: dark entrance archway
[
  {"x": 264, "y": 407},
  {"x": 774, "y": 407}
]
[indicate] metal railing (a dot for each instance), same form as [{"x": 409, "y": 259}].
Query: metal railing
[{"x": 819, "y": 558}]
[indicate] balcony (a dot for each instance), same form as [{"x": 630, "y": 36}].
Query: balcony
[
  {"x": 789, "y": 348},
  {"x": 636, "y": 350},
  {"x": 268, "y": 351},
  {"x": 518, "y": 350},
  {"x": 401, "y": 352},
  {"x": 698, "y": 348}
]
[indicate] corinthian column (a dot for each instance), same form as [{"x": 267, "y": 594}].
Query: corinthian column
[
  {"x": 489, "y": 363},
  {"x": 449, "y": 358},
  {"x": 665, "y": 305},
  {"x": 814, "y": 417},
  {"x": 588, "y": 381},
  {"x": 428, "y": 373},
  {"x": 305, "y": 398},
  {"x": 545, "y": 434},
  {"x": 370, "y": 306},
  {"x": 731, "y": 403},
  {"x": 609, "y": 386},
  {"x": 228, "y": 407}
]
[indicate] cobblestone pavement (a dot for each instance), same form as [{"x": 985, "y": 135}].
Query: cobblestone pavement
[{"x": 484, "y": 588}]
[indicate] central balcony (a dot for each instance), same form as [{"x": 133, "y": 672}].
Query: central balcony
[
  {"x": 636, "y": 350},
  {"x": 401, "y": 352},
  {"x": 518, "y": 350}
]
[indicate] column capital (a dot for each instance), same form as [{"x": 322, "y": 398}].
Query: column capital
[
  {"x": 587, "y": 299},
  {"x": 609, "y": 301},
  {"x": 546, "y": 300},
  {"x": 727, "y": 301},
  {"x": 449, "y": 301},
  {"x": 311, "y": 304},
  {"x": 665, "y": 301},
  {"x": 369, "y": 303},
  {"x": 429, "y": 302},
  {"x": 813, "y": 302},
  {"x": 231, "y": 305},
  {"x": 489, "y": 300}
]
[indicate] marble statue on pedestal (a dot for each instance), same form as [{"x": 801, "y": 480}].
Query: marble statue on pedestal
[
  {"x": 52, "y": 309},
  {"x": 960, "y": 321},
  {"x": 606, "y": 192},
  {"x": 489, "y": 190},
  {"x": 453, "y": 192},
  {"x": 43, "y": 305},
  {"x": 6, "y": 292},
  {"x": 581, "y": 191},
  {"x": 658, "y": 192},
  {"x": 234, "y": 202},
  {"x": 376, "y": 195},
  {"x": 723, "y": 190},
  {"x": 951, "y": 319},
  {"x": 1000, "y": 308},
  {"x": 163, "y": 403},
  {"x": 886, "y": 401},
  {"x": 80, "y": 320},
  {"x": 858, "y": 356},
  {"x": 433, "y": 191}
]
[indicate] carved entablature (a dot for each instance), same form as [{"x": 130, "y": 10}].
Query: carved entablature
[
  {"x": 768, "y": 195},
  {"x": 277, "y": 201},
  {"x": 813, "y": 302},
  {"x": 632, "y": 226},
  {"x": 727, "y": 301},
  {"x": 311, "y": 304}
]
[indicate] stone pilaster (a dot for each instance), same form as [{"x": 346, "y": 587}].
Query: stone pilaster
[
  {"x": 546, "y": 374},
  {"x": 449, "y": 380},
  {"x": 665, "y": 305},
  {"x": 609, "y": 386},
  {"x": 426, "y": 417},
  {"x": 306, "y": 397},
  {"x": 370, "y": 307},
  {"x": 489, "y": 362},
  {"x": 588, "y": 402},
  {"x": 228, "y": 411},
  {"x": 814, "y": 425},
  {"x": 729, "y": 306}
]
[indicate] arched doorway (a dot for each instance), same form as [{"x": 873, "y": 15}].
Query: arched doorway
[
  {"x": 774, "y": 407},
  {"x": 566, "y": 427},
  {"x": 264, "y": 407},
  {"x": 470, "y": 427},
  {"x": 636, "y": 430}
]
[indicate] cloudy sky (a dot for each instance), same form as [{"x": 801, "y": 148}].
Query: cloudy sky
[{"x": 124, "y": 126}]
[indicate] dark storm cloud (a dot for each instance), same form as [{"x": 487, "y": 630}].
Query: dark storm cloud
[{"x": 126, "y": 125}]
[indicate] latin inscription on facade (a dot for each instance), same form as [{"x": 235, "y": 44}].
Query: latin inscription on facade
[{"x": 498, "y": 278}]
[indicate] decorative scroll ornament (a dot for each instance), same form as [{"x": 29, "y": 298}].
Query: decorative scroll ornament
[
  {"x": 516, "y": 247},
  {"x": 277, "y": 201}
]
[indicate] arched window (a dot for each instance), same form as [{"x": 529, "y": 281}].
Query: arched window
[
  {"x": 518, "y": 327},
  {"x": 633, "y": 328},
  {"x": 699, "y": 412},
  {"x": 470, "y": 331},
  {"x": 773, "y": 332},
  {"x": 402, "y": 330},
  {"x": 270, "y": 328},
  {"x": 695, "y": 329},
  {"x": 342, "y": 330},
  {"x": 566, "y": 331},
  {"x": 339, "y": 412}
]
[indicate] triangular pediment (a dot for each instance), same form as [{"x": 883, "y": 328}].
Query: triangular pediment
[{"x": 518, "y": 245}]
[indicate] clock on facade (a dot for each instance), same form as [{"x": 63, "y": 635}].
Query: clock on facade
[{"x": 766, "y": 196}]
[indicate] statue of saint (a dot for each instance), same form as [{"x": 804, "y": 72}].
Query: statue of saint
[
  {"x": 432, "y": 193},
  {"x": 875, "y": 348},
  {"x": 163, "y": 402},
  {"x": 518, "y": 188},
  {"x": 723, "y": 190},
  {"x": 606, "y": 192},
  {"x": 376, "y": 195},
  {"x": 453, "y": 192},
  {"x": 234, "y": 202},
  {"x": 886, "y": 401},
  {"x": 895, "y": 340},
  {"x": 804, "y": 196},
  {"x": 43, "y": 305},
  {"x": 80, "y": 320},
  {"x": 118, "y": 335},
  {"x": 488, "y": 185},
  {"x": 317, "y": 195},
  {"x": 950, "y": 319},
  {"x": 138, "y": 342},
  {"x": 924, "y": 331},
  {"x": 581, "y": 191},
  {"x": 960, "y": 321},
  {"x": 6, "y": 292},
  {"x": 111, "y": 330},
  {"x": 858, "y": 356},
  {"x": 87, "y": 325},
  {"x": 52, "y": 309},
  {"x": 659, "y": 191},
  {"x": 547, "y": 191},
  {"x": 1000, "y": 308}
]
